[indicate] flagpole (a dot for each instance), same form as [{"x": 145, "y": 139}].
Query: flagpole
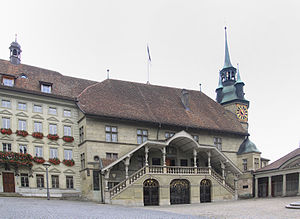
[{"x": 148, "y": 65}]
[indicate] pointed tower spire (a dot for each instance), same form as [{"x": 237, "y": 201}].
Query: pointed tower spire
[
  {"x": 227, "y": 62},
  {"x": 239, "y": 80}
]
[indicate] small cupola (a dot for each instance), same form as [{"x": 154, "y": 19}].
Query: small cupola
[{"x": 15, "y": 52}]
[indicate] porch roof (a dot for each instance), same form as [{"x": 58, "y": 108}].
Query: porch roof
[{"x": 185, "y": 142}]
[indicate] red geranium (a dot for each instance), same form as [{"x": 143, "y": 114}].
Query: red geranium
[
  {"x": 22, "y": 133},
  {"x": 37, "y": 135},
  {"x": 68, "y": 138},
  {"x": 53, "y": 137},
  {"x": 39, "y": 160},
  {"x": 69, "y": 163},
  {"x": 54, "y": 161},
  {"x": 6, "y": 131}
]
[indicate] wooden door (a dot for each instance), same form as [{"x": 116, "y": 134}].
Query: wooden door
[
  {"x": 8, "y": 182},
  {"x": 205, "y": 188}
]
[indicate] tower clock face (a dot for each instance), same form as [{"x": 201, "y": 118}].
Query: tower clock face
[{"x": 242, "y": 112}]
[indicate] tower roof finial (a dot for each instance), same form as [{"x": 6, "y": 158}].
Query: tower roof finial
[
  {"x": 227, "y": 62},
  {"x": 16, "y": 37}
]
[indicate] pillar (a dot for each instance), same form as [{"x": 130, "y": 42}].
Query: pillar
[
  {"x": 164, "y": 156},
  {"x": 256, "y": 187},
  {"x": 269, "y": 186},
  {"x": 127, "y": 161},
  {"x": 283, "y": 184},
  {"x": 208, "y": 159},
  {"x": 235, "y": 187},
  {"x": 195, "y": 157},
  {"x": 146, "y": 155},
  {"x": 223, "y": 171},
  {"x": 106, "y": 192},
  {"x": 298, "y": 183}
]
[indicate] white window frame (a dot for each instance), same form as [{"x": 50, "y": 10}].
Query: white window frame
[
  {"x": 67, "y": 130},
  {"x": 22, "y": 125},
  {"x": 22, "y": 106},
  {"x": 67, "y": 113},
  {"x": 142, "y": 135},
  {"x": 8, "y": 81},
  {"x": 52, "y": 110},
  {"x": 53, "y": 153},
  {"x": 6, "y": 147},
  {"x": 46, "y": 88},
  {"x": 6, "y": 103},
  {"x": 6, "y": 123},
  {"x": 38, "y": 126},
  {"x": 23, "y": 148},
  {"x": 68, "y": 154},
  {"x": 38, "y": 151},
  {"x": 53, "y": 129},
  {"x": 37, "y": 108}
]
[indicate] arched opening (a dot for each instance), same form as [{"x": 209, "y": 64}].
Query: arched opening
[
  {"x": 180, "y": 191},
  {"x": 151, "y": 192},
  {"x": 205, "y": 191}
]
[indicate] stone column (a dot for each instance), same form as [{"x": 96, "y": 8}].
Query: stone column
[
  {"x": 195, "y": 157},
  {"x": 298, "y": 183},
  {"x": 164, "y": 156},
  {"x": 283, "y": 184},
  {"x": 127, "y": 162},
  {"x": 146, "y": 155},
  {"x": 235, "y": 187},
  {"x": 106, "y": 192},
  {"x": 208, "y": 162},
  {"x": 256, "y": 187},
  {"x": 223, "y": 171},
  {"x": 269, "y": 186}
]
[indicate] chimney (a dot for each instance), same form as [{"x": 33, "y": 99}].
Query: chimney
[{"x": 185, "y": 99}]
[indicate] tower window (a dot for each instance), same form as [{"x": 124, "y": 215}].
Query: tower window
[
  {"x": 245, "y": 164},
  {"x": 15, "y": 52}
]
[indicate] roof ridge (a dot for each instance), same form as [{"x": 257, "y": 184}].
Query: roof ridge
[{"x": 88, "y": 87}]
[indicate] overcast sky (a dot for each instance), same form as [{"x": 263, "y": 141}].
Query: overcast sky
[{"x": 186, "y": 40}]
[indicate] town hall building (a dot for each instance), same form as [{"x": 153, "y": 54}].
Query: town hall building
[{"x": 123, "y": 142}]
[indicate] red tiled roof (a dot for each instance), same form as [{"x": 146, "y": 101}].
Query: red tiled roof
[
  {"x": 151, "y": 103},
  {"x": 62, "y": 85},
  {"x": 278, "y": 163}
]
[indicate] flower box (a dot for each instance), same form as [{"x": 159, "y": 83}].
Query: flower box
[
  {"x": 68, "y": 138},
  {"x": 39, "y": 160},
  {"x": 16, "y": 158},
  {"x": 37, "y": 135},
  {"x": 54, "y": 161},
  {"x": 6, "y": 131},
  {"x": 22, "y": 133},
  {"x": 53, "y": 137},
  {"x": 69, "y": 163}
]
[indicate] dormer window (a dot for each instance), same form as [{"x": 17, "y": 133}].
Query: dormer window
[
  {"x": 46, "y": 87},
  {"x": 23, "y": 75},
  {"x": 8, "y": 81}
]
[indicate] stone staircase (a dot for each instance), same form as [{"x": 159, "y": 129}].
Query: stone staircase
[{"x": 170, "y": 171}]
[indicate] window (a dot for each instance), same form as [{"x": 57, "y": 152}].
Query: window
[
  {"x": 67, "y": 130},
  {"x": 82, "y": 160},
  {"x": 245, "y": 161},
  {"x": 6, "y": 123},
  {"x": 256, "y": 163},
  {"x": 24, "y": 180},
  {"x": 40, "y": 181},
  {"x": 96, "y": 183},
  {"x": 68, "y": 154},
  {"x": 142, "y": 136},
  {"x": 81, "y": 134},
  {"x": 52, "y": 111},
  {"x": 218, "y": 143},
  {"x": 53, "y": 153},
  {"x": 22, "y": 125},
  {"x": 38, "y": 151},
  {"x": 22, "y": 106},
  {"x": 184, "y": 162},
  {"x": 196, "y": 138},
  {"x": 67, "y": 113},
  {"x": 69, "y": 181},
  {"x": 8, "y": 81},
  {"x": 6, "y": 147},
  {"x": 46, "y": 88},
  {"x": 52, "y": 129},
  {"x": 245, "y": 186},
  {"x": 5, "y": 103},
  {"x": 111, "y": 134},
  {"x": 37, "y": 108},
  {"x": 23, "y": 149},
  {"x": 169, "y": 134},
  {"x": 23, "y": 75},
  {"x": 112, "y": 156},
  {"x": 55, "y": 181},
  {"x": 38, "y": 127}
]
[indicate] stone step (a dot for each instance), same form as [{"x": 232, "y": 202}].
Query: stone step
[
  {"x": 293, "y": 206},
  {"x": 10, "y": 194}
]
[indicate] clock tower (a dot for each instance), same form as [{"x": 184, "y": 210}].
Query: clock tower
[{"x": 230, "y": 91}]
